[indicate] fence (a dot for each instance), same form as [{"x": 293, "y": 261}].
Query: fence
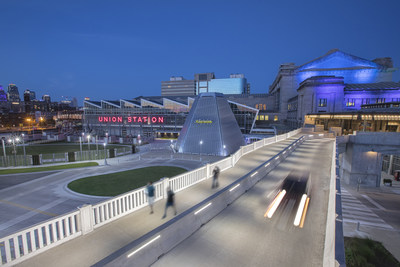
[
  {"x": 95, "y": 154},
  {"x": 41, "y": 237}
]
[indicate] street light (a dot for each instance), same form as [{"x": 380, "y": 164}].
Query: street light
[
  {"x": 29, "y": 124},
  {"x": 224, "y": 151},
  {"x": 80, "y": 144},
  {"x": 23, "y": 145},
  {"x": 97, "y": 148},
  {"x": 105, "y": 153},
  {"x": 171, "y": 149},
  {"x": 201, "y": 142},
  {"x": 4, "y": 152},
  {"x": 13, "y": 140},
  {"x": 88, "y": 142}
]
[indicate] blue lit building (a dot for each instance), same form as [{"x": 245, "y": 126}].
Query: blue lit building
[
  {"x": 335, "y": 83},
  {"x": 228, "y": 86}
]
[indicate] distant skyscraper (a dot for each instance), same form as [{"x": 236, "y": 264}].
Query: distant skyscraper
[
  {"x": 27, "y": 95},
  {"x": 178, "y": 86},
  {"x": 13, "y": 93},
  {"x": 202, "y": 80},
  {"x": 33, "y": 95},
  {"x": 27, "y": 101},
  {"x": 3, "y": 95},
  {"x": 46, "y": 98},
  {"x": 204, "y": 83}
]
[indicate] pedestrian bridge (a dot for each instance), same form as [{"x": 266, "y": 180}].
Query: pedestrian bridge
[{"x": 91, "y": 234}]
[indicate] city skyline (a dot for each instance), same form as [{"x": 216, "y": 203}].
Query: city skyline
[{"x": 103, "y": 51}]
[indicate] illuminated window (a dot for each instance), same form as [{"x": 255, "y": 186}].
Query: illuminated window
[
  {"x": 261, "y": 117},
  {"x": 322, "y": 102},
  {"x": 275, "y": 118},
  {"x": 351, "y": 102},
  {"x": 266, "y": 117},
  {"x": 261, "y": 106},
  {"x": 380, "y": 100}
]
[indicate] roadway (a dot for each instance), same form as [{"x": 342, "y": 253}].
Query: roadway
[
  {"x": 91, "y": 248},
  {"x": 28, "y": 199},
  {"x": 241, "y": 236}
]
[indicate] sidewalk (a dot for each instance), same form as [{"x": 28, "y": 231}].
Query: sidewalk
[
  {"x": 89, "y": 249},
  {"x": 373, "y": 215}
]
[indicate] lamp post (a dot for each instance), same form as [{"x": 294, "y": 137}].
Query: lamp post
[
  {"x": 140, "y": 141},
  {"x": 88, "y": 143},
  {"x": 171, "y": 149},
  {"x": 12, "y": 141},
  {"x": 201, "y": 142},
  {"x": 224, "y": 151},
  {"x": 4, "y": 152},
  {"x": 97, "y": 148},
  {"x": 105, "y": 153},
  {"x": 29, "y": 124},
  {"x": 80, "y": 145},
  {"x": 23, "y": 145}
]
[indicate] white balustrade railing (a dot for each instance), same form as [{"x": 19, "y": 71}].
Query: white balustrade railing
[
  {"x": 38, "y": 238},
  {"x": 29, "y": 242},
  {"x": 185, "y": 180}
]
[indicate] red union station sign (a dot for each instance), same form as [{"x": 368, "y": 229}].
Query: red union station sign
[{"x": 132, "y": 119}]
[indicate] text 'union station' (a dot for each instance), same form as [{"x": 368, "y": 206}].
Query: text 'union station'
[{"x": 132, "y": 119}]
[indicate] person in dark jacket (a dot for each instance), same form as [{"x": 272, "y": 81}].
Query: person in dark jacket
[
  {"x": 170, "y": 201},
  {"x": 215, "y": 183}
]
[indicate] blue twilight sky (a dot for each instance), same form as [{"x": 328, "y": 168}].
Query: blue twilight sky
[{"x": 124, "y": 49}]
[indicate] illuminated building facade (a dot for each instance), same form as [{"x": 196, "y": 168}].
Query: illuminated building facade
[
  {"x": 150, "y": 116},
  {"x": 335, "y": 83}
]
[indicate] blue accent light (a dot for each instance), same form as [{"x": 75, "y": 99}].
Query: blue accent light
[{"x": 339, "y": 64}]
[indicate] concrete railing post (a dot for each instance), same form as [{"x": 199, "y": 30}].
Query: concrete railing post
[
  {"x": 233, "y": 160},
  {"x": 86, "y": 216},
  {"x": 208, "y": 171},
  {"x": 165, "y": 184},
  {"x": 276, "y": 138}
]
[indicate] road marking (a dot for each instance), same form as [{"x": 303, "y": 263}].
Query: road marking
[
  {"x": 378, "y": 225},
  {"x": 373, "y": 202},
  {"x": 30, "y": 214},
  {"x": 354, "y": 211},
  {"x": 28, "y": 208}
]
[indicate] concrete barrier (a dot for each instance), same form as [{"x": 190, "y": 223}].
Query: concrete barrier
[{"x": 329, "y": 248}]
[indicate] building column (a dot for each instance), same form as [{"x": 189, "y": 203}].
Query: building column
[{"x": 390, "y": 165}]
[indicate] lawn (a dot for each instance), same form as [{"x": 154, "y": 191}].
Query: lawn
[
  {"x": 114, "y": 184},
  {"x": 50, "y": 168},
  {"x": 55, "y": 148},
  {"x": 367, "y": 253}
]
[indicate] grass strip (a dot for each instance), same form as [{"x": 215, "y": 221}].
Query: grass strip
[
  {"x": 48, "y": 168},
  {"x": 367, "y": 253},
  {"x": 114, "y": 184}
]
